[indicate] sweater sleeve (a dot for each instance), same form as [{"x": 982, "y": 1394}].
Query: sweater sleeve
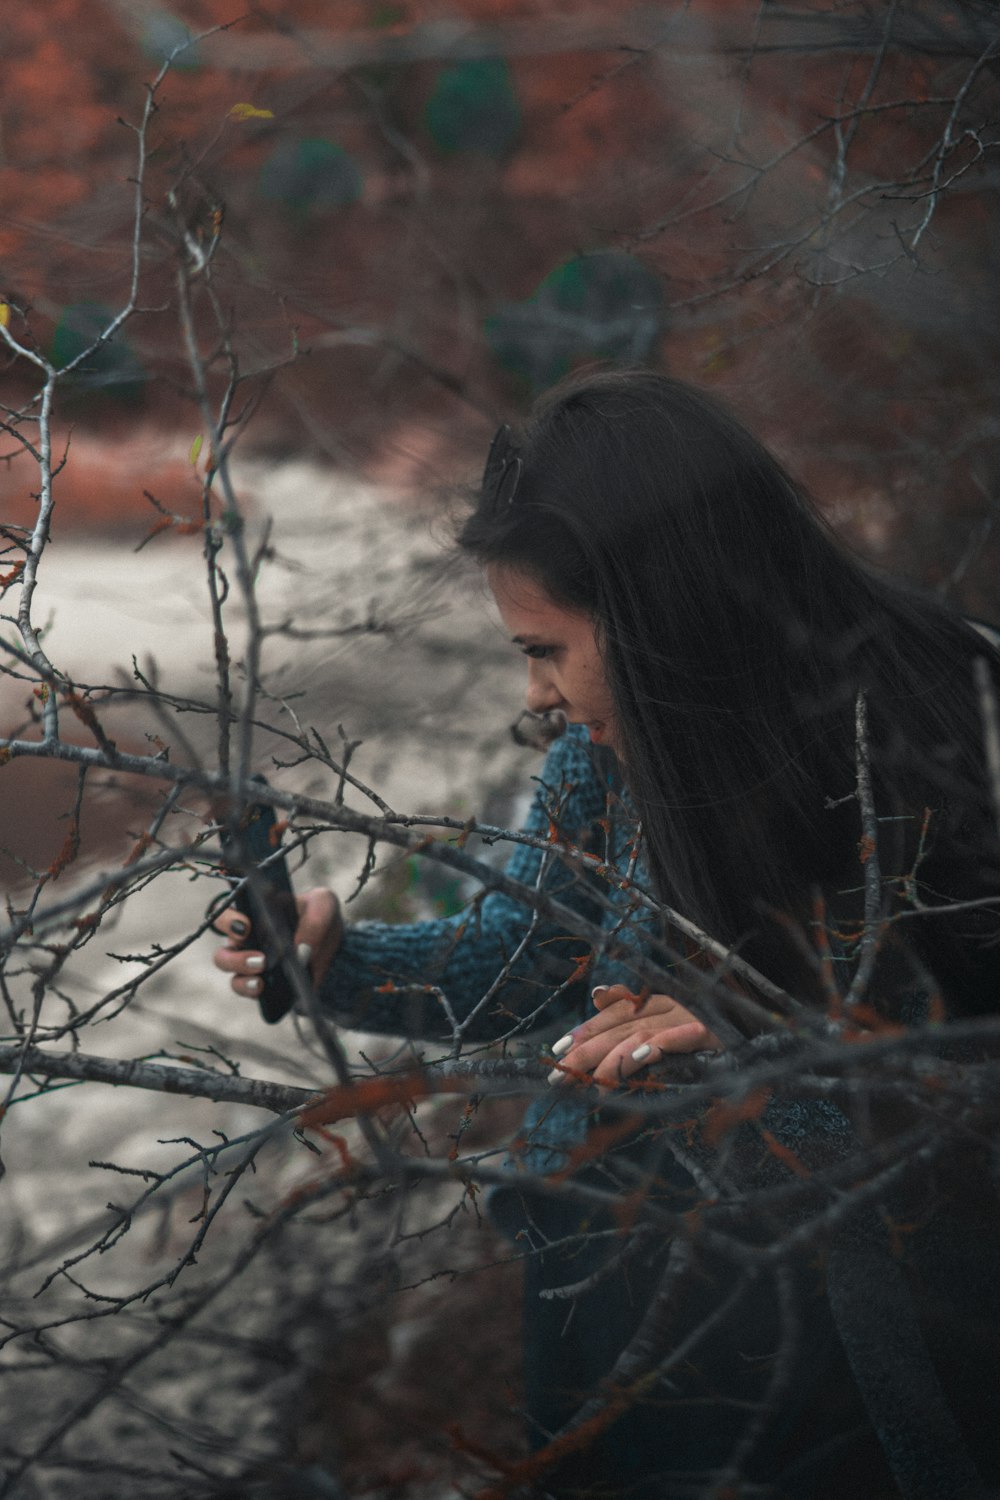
[{"x": 404, "y": 979}]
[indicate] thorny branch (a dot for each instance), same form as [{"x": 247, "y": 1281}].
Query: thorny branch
[
  {"x": 364, "y": 1144},
  {"x": 868, "y": 946}
]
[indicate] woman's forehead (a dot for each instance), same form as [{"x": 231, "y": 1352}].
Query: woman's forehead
[
  {"x": 529, "y": 611},
  {"x": 519, "y": 592}
]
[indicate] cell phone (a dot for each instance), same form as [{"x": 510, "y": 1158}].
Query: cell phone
[{"x": 269, "y": 903}]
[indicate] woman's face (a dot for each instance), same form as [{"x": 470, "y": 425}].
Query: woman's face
[{"x": 565, "y": 669}]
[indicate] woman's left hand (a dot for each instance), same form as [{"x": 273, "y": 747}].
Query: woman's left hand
[{"x": 628, "y": 1034}]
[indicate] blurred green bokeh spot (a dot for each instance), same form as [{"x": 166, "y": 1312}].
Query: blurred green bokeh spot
[
  {"x": 311, "y": 176},
  {"x": 162, "y": 33},
  {"x": 113, "y": 366},
  {"x": 605, "y": 305},
  {"x": 387, "y": 15},
  {"x": 474, "y": 108}
]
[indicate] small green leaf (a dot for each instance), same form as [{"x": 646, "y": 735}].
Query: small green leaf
[{"x": 196, "y": 449}]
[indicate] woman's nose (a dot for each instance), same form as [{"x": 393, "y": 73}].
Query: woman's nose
[{"x": 542, "y": 693}]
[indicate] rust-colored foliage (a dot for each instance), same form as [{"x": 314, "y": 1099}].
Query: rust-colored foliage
[
  {"x": 69, "y": 851},
  {"x": 363, "y": 1098},
  {"x": 6, "y": 579},
  {"x": 83, "y": 711},
  {"x": 142, "y": 843},
  {"x": 339, "y": 1145},
  {"x": 179, "y": 525},
  {"x": 725, "y": 1113},
  {"x": 581, "y": 968},
  {"x": 783, "y": 1153}
]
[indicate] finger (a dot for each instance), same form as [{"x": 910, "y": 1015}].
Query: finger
[
  {"x": 233, "y": 925},
  {"x": 583, "y": 1058},
  {"x": 632, "y": 1051},
  {"x": 244, "y": 961},
  {"x": 619, "y": 1054},
  {"x": 246, "y": 969},
  {"x": 247, "y": 987},
  {"x": 620, "y": 1063},
  {"x": 643, "y": 1002},
  {"x": 317, "y": 910},
  {"x": 658, "y": 1012},
  {"x": 621, "y": 1013},
  {"x": 627, "y": 1059},
  {"x": 693, "y": 1036},
  {"x": 317, "y": 934},
  {"x": 572, "y": 1066},
  {"x": 605, "y": 995}
]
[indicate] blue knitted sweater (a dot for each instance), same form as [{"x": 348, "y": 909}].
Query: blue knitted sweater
[
  {"x": 385, "y": 976},
  {"x": 492, "y": 973}
]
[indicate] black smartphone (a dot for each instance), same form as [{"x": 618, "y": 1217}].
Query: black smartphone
[{"x": 269, "y": 903}]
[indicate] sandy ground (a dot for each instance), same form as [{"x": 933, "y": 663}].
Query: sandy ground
[{"x": 431, "y": 697}]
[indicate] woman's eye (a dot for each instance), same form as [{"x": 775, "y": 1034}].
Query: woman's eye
[{"x": 537, "y": 653}]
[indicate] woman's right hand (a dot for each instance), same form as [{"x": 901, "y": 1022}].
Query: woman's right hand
[{"x": 320, "y": 930}]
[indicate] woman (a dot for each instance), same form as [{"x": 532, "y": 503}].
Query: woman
[{"x": 727, "y": 666}]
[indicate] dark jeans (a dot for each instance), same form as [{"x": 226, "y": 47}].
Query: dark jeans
[{"x": 815, "y": 1442}]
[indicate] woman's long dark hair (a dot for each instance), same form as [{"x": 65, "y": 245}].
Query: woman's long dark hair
[{"x": 736, "y": 632}]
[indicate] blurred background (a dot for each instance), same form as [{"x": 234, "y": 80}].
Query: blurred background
[
  {"x": 422, "y": 212},
  {"x": 454, "y": 203}
]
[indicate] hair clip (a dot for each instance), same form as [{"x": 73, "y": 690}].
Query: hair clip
[{"x": 504, "y": 467}]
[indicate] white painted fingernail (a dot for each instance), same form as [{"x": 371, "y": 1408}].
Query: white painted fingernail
[
  {"x": 563, "y": 1045},
  {"x": 641, "y": 1053},
  {"x": 304, "y": 954},
  {"x": 253, "y": 986},
  {"x": 256, "y": 962},
  {"x": 598, "y": 989},
  {"x": 558, "y": 1076}
]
